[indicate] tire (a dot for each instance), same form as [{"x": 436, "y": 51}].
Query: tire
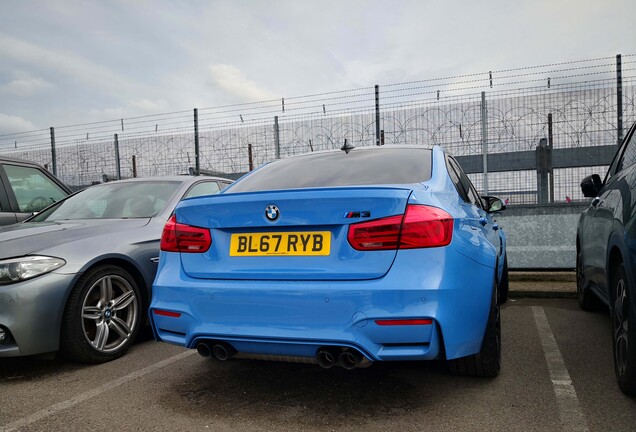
[
  {"x": 587, "y": 299},
  {"x": 102, "y": 316},
  {"x": 623, "y": 332},
  {"x": 504, "y": 284},
  {"x": 487, "y": 362}
]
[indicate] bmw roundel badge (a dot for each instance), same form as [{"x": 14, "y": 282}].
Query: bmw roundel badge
[{"x": 272, "y": 213}]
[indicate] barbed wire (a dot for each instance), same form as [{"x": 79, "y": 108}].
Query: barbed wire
[
  {"x": 311, "y": 99},
  {"x": 582, "y": 105},
  {"x": 500, "y": 71}
]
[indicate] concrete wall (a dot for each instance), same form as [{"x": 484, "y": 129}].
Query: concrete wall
[{"x": 541, "y": 237}]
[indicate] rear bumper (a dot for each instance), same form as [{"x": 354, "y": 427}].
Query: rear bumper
[{"x": 295, "y": 318}]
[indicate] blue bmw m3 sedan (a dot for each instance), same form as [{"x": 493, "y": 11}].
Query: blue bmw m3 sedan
[{"x": 339, "y": 258}]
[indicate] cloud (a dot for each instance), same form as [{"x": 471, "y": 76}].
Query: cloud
[
  {"x": 132, "y": 108},
  {"x": 77, "y": 62},
  {"x": 25, "y": 86},
  {"x": 235, "y": 84},
  {"x": 79, "y": 69},
  {"x": 11, "y": 124}
]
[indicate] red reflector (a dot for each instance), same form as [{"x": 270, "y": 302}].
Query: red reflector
[
  {"x": 397, "y": 322},
  {"x": 167, "y": 313},
  {"x": 420, "y": 227},
  {"x": 177, "y": 237}
]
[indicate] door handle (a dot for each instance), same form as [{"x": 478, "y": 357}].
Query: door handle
[
  {"x": 495, "y": 227},
  {"x": 596, "y": 201}
]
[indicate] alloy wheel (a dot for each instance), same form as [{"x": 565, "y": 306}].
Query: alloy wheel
[
  {"x": 620, "y": 321},
  {"x": 579, "y": 275},
  {"x": 109, "y": 313}
]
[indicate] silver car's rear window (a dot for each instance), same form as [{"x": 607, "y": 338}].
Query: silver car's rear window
[
  {"x": 363, "y": 166},
  {"x": 118, "y": 200}
]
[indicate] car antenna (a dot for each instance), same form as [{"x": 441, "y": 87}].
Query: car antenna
[{"x": 347, "y": 147}]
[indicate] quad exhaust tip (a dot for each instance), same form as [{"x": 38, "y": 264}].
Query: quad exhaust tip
[
  {"x": 348, "y": 358},
  {"x": 327, "y": 357},
  {"x": 218, "y": 350}
]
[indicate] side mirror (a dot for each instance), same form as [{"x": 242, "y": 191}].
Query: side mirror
[
  {"x": 493, "y": 204},
  {"x": 591, "y": 185}
]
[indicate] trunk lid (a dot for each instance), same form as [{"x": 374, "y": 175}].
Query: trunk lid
[{"x": 307, "y": 241}]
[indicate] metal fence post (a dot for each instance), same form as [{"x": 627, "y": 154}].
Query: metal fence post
[
  {"x": 196, "y": 142},
  {"x": 484, "y": 139},
  {"x": 544, "y": 162},
  {"x": 550, "y": 147},
  {"x": 619, "y": 99},
  {"x": 249, "y": 155},
  {"x": 276, "y": 138},
  {"x": 117, "y": 161},
  {"x": 53, "y": 156},
  {"x": 377, "y": 115}
]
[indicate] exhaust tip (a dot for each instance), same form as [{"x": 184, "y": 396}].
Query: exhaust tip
[
  {"x": 203, "y": 349},
  {"x": 326, "y": 358},
  {"x": 350, "y": 359},
  {"x": 222, "y": 351}
]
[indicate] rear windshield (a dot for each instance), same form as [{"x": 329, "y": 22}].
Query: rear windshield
[
  {"x": 117, "y": 200},
  {"x": 377, "y": 166}
]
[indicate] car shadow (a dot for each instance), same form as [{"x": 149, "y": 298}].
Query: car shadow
[
  {"x": 34, "y": 367},
  {"x": 307, "y": 393},
  {"x": 31, "y": 368}
]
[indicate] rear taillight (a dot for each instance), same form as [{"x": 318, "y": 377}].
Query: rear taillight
[
  {"x": 420, "y": 227},
  {"x": 425, "y": 226},
  {"x": 376, "y": 234},
  {"x": 179, "y": 237}
]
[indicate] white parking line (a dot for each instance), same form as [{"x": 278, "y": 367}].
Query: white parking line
[
  {"x": 572, "y": 418},
  {"x": 61, "y": 406}
]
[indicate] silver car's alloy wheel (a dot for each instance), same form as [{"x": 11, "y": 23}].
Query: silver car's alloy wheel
[{"x": 109, "y": 313}]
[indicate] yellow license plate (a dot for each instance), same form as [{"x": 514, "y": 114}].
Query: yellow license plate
[{"x": 281, "y": 243}]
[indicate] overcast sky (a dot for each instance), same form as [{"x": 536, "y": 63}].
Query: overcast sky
[{"x": 70, "y": 62}]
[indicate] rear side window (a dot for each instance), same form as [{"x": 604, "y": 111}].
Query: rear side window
[
  {"x": 454, "y": 175},
  {"x": 463, "y": 184},
  {"x": 375, "y": 166},
  {"x": 32, "y": 188},
  {"x": 629, "y": 156},
  {"x": 204, "y": 188},
  {"x": 625, "y": 155}
]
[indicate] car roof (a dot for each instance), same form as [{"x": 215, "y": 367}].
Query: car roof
[
  {"x": 20, "y": 161},
  {"x": 176, "y": 178},
  {"x": 370, "y": 148}
]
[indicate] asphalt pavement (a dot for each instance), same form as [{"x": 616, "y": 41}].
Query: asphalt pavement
[{"x": 554, "y": 377}]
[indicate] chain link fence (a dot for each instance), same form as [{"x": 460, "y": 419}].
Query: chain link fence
[{"x": 528, "y": 135}]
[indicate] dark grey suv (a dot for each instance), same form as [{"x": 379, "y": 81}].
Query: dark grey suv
[
  {"x": 606, "y": 255},
  {"x": 26, "y": 188}
]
